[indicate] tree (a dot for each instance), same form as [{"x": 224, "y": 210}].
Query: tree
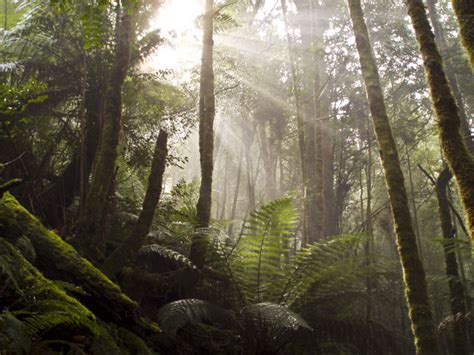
[
  {"x": 127, "y": 251},
  {"x": 464, "y": 10},
  {"x": 413, "y": 271},
  {"x": 459, "y": 159},
  {"x": 206, "y": 131},
  {"x": 92, "y": 239}
]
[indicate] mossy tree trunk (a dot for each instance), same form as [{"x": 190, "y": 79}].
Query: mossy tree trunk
[
  {"x": 456, "y": 288},
  {"x": 451, "y": 74},
  {"x": 206, "y": 133},
  {"x": 464, "y": 10},
  {"x": 413, "y": 273},
  {"x": 448, "y": 119},
  {"x": 92, "y": 238},
  {"x": 128, "y": 250}
]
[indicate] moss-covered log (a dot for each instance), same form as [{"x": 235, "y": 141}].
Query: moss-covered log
[
  {"x": 419, "y": 308},
  {"x": 58, "y": 260},
  {"x": 459, "y": 159},
  {"x": 39, "y": 302},
  {"x": 464, "y": 10}
]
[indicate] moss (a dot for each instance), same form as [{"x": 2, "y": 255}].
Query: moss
[
  {"x": 460, "y": 161},
  {"x": 464, "y": 10},
  {"x": 413, "y": 273},
  {"x": 59, "y": 260},
  {"x": 40, "y": 303}
]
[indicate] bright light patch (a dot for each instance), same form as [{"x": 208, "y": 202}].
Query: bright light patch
[
  {"x": 177, "y": 20},
  {"x": 179, "y": 16}
]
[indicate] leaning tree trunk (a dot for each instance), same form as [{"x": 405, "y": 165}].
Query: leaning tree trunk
[
  {"x": 206, "y": 134},
  {"x": 456, "y": 288},
  {"x": 92, "y": 239},
  {"x": 459, "y": 159},
  {"x": 464, "y": 10},
  {"x": 128, "y": 250},
  {"x": 451, "y": 74},
  {"x": 413, "y": 272}
]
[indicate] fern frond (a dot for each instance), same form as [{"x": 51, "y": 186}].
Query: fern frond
[
  {"x": 260, "y": 257},
  {"x": 156, "y": 250},
  {"x": 176, "y": 315},
  {"x": 329, "y": 264}
]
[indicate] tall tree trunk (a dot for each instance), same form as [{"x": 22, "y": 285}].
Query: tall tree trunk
[
  {"x": 128, "y": 250},
  {"x": 311, "y": 110},
  {"x": 413, "y": 272},
  {"x": 206, "y": 134},
  {"x": 299, "y": 118},
  {"x": 456, "y": 288},
  {"x": 451, "y": 74},
  {"x": 464, "y": 10},
  {"x": 459, "y": 159},
  {"x": 92, "y": 239}
]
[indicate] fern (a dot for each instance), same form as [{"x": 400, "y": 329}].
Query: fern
[
  {"x": 259, "y": 256},
  {"x": 40, "y": 304},
  {"x": 153, "y": 250},
  {"x": 178, "y": 314},
  {"x": 265, "y": 267}
]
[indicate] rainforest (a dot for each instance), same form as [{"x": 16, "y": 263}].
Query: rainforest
[{"x": 236, "y": 177}]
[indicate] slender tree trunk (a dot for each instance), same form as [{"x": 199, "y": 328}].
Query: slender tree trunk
[
  {"x": 464, "y": 10},
  {"x": 226, "y": 178},
  {"x": 451, "y": 74},
  {"x": 413, "y": 203},
  {"x": 456, "y": 288},
  {"x": 369, "y": 245},
  {"x": 236, "y": 197},
  {"x": 128, "y": 250},
  {"x": 206, "y": 134},
  {"x": 413, "y": 272},
  {"x": 459, "y": 159},
  {"x": 92, "y": 240}
]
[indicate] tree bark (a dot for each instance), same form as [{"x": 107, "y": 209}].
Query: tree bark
[
  {"x": 92, "y": 236},
  {"x": 459, "y": 159},
  {"x": 456, "y": 288},
  {"x": 451, "y": 74},
  {"x": 464, "y": 10},
  {"x": 206, "y": 134},
  {"x": 128, "y": 250},
  {"x": 413, "y": 272}
]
